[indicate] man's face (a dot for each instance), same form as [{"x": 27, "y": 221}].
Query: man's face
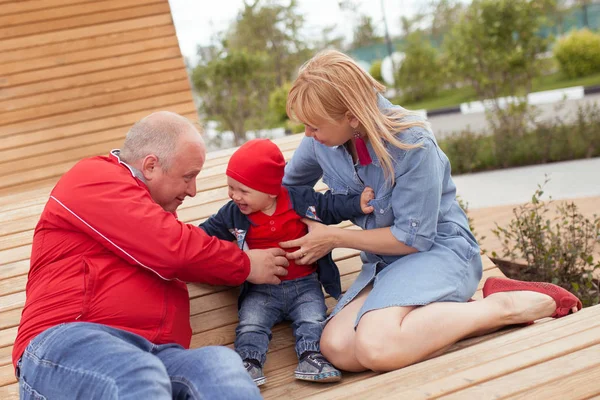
[{"x": 169, "y": 188}]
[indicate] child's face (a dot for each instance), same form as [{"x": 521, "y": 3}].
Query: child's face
[{"x": 249, "y": 200}]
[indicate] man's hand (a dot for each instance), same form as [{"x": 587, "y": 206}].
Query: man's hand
[
  {"x": 267, "y": 265},
  {"x": 367, "y": 195}
]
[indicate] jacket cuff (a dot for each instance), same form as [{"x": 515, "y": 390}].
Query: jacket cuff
[
  {"x": 419, "y": 242},
  {"x": 356, "y": 209},
  {"x": 245, "y": 270}
]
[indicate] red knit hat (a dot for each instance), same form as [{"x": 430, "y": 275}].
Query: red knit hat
[{"x": 258, "y": 164}]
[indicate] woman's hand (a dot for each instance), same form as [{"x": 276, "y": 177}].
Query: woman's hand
[{"x": 319, "y": 241}]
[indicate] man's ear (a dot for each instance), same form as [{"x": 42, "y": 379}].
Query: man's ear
[
  {"x": 352, "y": 120},
  {"x": 150, "y": 166}
]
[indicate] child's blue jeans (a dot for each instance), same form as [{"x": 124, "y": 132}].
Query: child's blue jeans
[
  {"x": 82, "y": 360},
  {"x": 300, "y": 301}
]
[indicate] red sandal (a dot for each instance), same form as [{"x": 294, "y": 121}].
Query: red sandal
[{"x": 564, "y": 299}]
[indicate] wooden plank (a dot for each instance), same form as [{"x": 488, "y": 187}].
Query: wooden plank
[
  {"x": 56, "y": 121},
  {"x": 73, "y": 154},
  {"x": 97, "y": 19},
  {"x": 481, "y": 362},
  {"x": 68, "y": 11},
  {"x": 84, "y": 32},
  {"x": 10, "y": 392},
  {"x": 93, "y": 54},
  {"x": 17, "y": 7},
  {"x": 7, "y": 337},
  {"x": 56, "y": 170},
  {"x": 13, "y": 285},
  {"x": 12, "y": 269},
  {"x": 5, "y": 355},
  {"x": 16, "y": 240},
  {"x": 538, "y": 375},
  {"x": 581, "y": 385},
  {"x": 15, "y": 254},
  {"x": 77, "y": 81},
  {"x": 82, "y": 68},
  {"x": 82, "y": 97},
  {"x": 65, "y": 49}
]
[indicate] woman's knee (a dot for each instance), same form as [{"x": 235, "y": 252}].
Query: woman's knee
[{"x": 379, "y": 338}]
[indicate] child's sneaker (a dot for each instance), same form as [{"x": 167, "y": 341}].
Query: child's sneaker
[
  {"x": 314, "y": 367},
  {"x": 255, "y": 371}
]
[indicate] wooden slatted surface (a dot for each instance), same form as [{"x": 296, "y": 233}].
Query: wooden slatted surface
[
  {"x": 75, "y": 75},
  {"x": 510, "y": 362}
]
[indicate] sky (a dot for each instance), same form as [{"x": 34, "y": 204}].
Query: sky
[{"x": 196, "y": 21}]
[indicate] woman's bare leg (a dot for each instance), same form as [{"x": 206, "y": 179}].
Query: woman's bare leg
[
  {"x": 395, "y": 337},
  {"x": 337, "y": 341}
]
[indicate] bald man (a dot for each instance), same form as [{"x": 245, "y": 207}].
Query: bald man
[{"x": 107, "y": 308}]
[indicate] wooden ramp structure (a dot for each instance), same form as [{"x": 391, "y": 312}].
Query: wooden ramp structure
[
  {"x": 552, "y": 359},
  {"x": 76, "y": 74}
]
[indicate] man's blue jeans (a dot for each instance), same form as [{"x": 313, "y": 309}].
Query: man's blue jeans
[
  {"x": 300, "y": 301},
  {"x": 90, "y": 361}
]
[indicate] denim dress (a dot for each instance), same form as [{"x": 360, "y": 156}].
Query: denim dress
[{"x": 421, "y": 210}]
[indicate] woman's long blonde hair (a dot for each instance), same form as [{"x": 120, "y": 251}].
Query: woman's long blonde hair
[{"x": 331, "y": 84}]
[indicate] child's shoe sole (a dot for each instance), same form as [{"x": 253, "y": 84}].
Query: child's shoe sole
[{"x": 326, "y": 377}]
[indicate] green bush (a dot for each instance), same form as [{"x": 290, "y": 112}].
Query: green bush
[
  {"x": 419, "y": 76},
  {"x": 557, "y": 249},
  {"x": 277, "y": 102},
  {"x": 542, "y": 142},
  {"x": 375, "y": 70},
  {"x": 578, "y": 54}
]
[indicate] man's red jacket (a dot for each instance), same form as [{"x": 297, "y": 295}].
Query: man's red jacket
[{"x": 105, "y": 252}]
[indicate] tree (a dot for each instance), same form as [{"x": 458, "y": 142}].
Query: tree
[
  {"x": 364, "y": 33},
  {"x": 419, "y": 75},
  {"x": 493, "y": 49},
  {"x": 444, "y": 14},
  {"x": 233, "y": 88},
  {"x": 273, "y": 29}
]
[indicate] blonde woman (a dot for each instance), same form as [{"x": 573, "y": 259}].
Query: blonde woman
[{"x": 421, "y": 263}]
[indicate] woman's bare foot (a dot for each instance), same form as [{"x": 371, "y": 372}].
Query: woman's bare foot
[{"x": 518, "y": 307}]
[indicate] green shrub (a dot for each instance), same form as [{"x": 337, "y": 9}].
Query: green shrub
[
  {"x": 578, "y": 54},
  {"x": 542, "y": 142},
  {"x": 557, "y": 249},
  {"x": 277, "y": 101},
  {"x": 375, "y": 70},
  {"x": 419, "y": 76}
]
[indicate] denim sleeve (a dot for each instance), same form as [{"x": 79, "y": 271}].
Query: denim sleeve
[
  {"x": 416, "y": 196},
  {"x": 304, "y": 168}
]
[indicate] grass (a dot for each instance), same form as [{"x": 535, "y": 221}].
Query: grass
[{"x": 453, "y": 97}]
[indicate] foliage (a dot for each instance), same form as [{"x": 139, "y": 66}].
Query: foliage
[
  {"x": 465, "y": 207},
  {"x": 233, "y": 88},
  {"x": 543, "y": 142},
  {"x": 375, "y": 70},
  {"x": 578, "y": 53},
  {"x": 443, "y": 15},
  {"x": 419, "y": 74},
  {"x": 494, "y": 49},
  {"x": 277, "y": 101},
  {"x": 273, "y": 29},
  {"x": 557, "y": 249},
  {"x": 365, "y": 33},
  {"x": 259, "y": 53},
  {"x": 495, "y": 44}
]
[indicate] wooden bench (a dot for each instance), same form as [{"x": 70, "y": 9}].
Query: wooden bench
[{"x": 551, "y": 359}]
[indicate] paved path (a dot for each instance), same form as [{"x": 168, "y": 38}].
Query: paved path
[
  {"x": 569, "y": 179},
  {"x": 446, "y": 124}
]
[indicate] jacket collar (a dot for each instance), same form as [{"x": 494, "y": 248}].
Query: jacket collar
[{"x": 115, "y": 155}]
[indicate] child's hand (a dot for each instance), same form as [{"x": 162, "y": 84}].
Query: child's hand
[{"x": 367, "y": 195}]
